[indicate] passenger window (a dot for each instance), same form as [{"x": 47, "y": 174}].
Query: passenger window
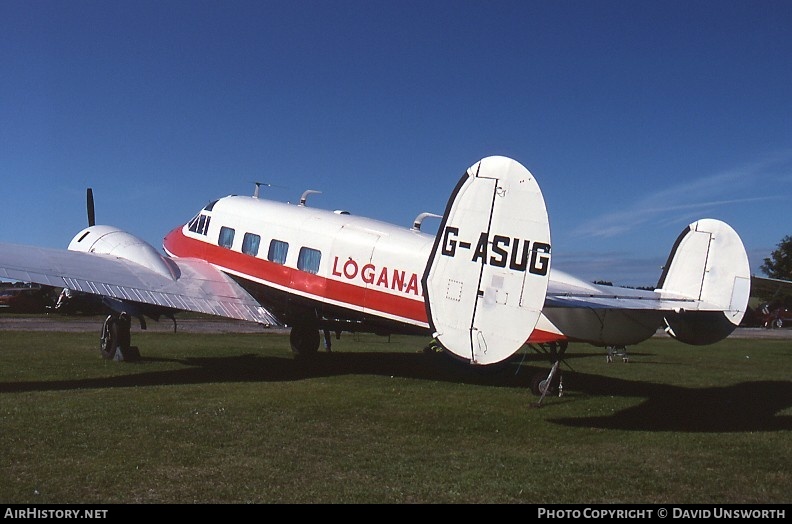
[
  {"x": 278, "y": 251},
  {"x": 250, "y": 244},
  {"x": 226, "y": 239},
  {"x": 309, "y": 259}
]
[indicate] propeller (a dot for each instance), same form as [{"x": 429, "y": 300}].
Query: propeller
[{"x": 90, "y": 205}]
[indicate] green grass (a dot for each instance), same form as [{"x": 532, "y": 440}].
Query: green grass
[{"x": 236, "y": 418}]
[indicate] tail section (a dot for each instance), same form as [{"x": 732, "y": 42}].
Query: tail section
[
  {"x": 708, "y": 264},
  {"x": 486, "y": 279}
]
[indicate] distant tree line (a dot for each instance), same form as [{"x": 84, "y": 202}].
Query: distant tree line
[{"x": 779, "y": 264}]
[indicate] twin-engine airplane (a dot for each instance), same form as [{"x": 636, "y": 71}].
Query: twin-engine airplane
[{"x": 482, "y": 286}]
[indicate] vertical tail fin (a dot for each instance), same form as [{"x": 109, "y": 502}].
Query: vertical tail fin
[
  {"x": 708, "y": 263},
  {"x": 486, "y": 279}
]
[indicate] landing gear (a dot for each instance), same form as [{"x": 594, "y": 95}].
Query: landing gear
[
  {"x": 542, "y": 384},
  {"x": 115, "y": 338},
  {"x": 617, "y": 351},
  {"x": 304, "y": 339}
]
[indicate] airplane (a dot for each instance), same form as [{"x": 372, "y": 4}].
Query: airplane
[
  {"x": 775, "y": 311},
  {"x": 482, "y": 286},
  {"x": 772, "y": 289}
]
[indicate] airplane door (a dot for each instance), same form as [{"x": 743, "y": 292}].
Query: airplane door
[{"x": 352, "y": 271}]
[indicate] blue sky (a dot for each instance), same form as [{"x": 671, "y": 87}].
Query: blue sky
[{"x": 636, "y": 117}]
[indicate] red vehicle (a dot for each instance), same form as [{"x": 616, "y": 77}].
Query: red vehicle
[
  {"x": 25, "y": 299},
  {"x": 776, "y": 317}
]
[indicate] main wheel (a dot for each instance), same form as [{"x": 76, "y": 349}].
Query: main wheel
[
  {"x": 304, "y": 340},
  {"x": 108, "y": 339},
  {"x": 115, "y": 335}
]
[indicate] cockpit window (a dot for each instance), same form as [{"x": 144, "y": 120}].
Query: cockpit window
[
  {"x": 210, "y": 205},
  {"x": 200, "y": 224}
]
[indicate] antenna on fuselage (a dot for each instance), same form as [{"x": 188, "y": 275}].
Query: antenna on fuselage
[
  {"x": 304, "y": 196},
  {"x": 420, "y": 218},
  {"x": 258, "y": 187}
]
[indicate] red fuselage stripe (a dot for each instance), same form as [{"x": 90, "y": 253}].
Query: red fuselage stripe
[
  {"x": 542, "y": 337},
  {"x": 321, "y": 288},
  {"x": 316, "y": 286}
]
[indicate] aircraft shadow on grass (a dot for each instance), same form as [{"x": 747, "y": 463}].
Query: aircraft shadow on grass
[{"x": 744, "y": 407}]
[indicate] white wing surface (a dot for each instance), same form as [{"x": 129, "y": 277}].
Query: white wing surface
[{"x": 195, "y": 285}]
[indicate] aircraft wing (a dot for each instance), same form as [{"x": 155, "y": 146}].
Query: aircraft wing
[
  {"x": 770, "y": 288},
  {"x": 195, "y": 286}
]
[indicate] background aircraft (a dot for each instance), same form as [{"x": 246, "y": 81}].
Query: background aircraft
[
  {"x": 483, "y": 286},
  {"x": 775, "y": 308}
]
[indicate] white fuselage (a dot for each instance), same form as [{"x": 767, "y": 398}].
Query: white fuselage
[
  {"x": 348, "y": 267},
  {"x": 359, "y": 265}
]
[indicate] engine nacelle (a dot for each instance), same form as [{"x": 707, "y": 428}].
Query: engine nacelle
[
  {"x": 699, "y": 328},
  {"x": 109, "y": 240}
]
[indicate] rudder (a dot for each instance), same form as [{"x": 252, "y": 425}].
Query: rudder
[
  {"x": 708, "y": 264},
  {"x": 486, "y": 279}
]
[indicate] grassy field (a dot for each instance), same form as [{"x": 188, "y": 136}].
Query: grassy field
[{"x": 235, "y": 418}]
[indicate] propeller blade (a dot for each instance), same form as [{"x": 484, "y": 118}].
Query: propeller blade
[{"x": 90, "y": 204}]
